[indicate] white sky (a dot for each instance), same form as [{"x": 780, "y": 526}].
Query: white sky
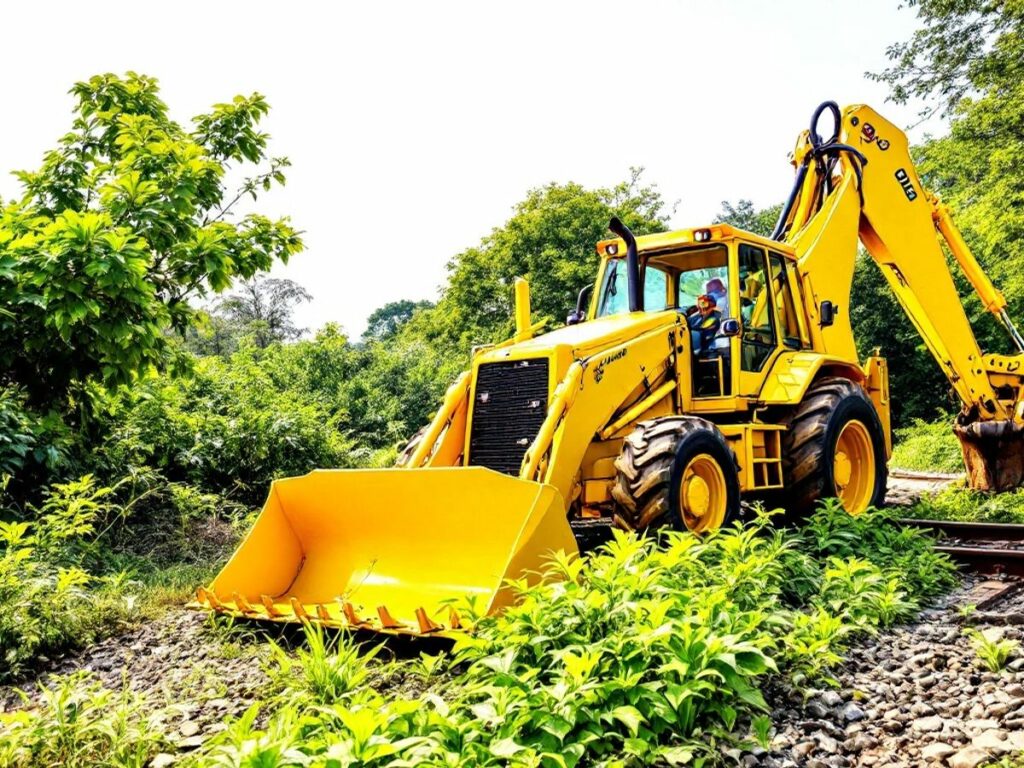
[{"x": 413, "y": 128}]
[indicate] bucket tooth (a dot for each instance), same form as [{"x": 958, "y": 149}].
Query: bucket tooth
[
  {"x": 426, "y": 625},
  {"x": 453, "y": 619},
  {"x": 349, "y": 611},
  {"x": 242, "y": 604},
  {"x": 298, "y": 609},
  {"x": 268, "y": 603},
  {"x": 387, "y": 620},
  {"x": 202, "y": 597},
  {"x": 210, "y": 597},
  {"x": 321, "y": 611}
]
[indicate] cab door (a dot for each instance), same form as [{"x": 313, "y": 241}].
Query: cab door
[{"x": 759, "y": 337}]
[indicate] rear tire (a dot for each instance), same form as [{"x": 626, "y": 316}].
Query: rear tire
[
  {"x": 834, "y": 448},
  {"x": 676, "y": 472}
]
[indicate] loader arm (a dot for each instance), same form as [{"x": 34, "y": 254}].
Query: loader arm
[{"x": 861, "y": 184}]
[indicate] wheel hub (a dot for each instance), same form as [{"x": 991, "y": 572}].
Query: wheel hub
[
  {"x": 703, "y": 494},
  {"x": 853, "y": 467},
  {"x": 843, "y": 469},
  {"x": 698, "y": 497}
]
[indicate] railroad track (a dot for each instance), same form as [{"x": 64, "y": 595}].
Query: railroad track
[{"x": 995, "y": 549}]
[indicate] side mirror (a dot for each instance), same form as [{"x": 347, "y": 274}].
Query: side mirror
[
  {"x": 827, "y": 312},
  {"x": 579, "y": 314},
  {"x": 730, "y": 327}
]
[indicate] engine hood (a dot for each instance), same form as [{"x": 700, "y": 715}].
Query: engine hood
[{"x": 581, "y": 341}]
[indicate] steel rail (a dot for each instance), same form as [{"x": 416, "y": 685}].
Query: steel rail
[{"x": 985, "y": 548}]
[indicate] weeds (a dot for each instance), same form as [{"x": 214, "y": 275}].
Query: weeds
[
  {"x": 971, "y": 506},
  {"x": 992, "y": 649},
  {"x": 325, "y": 671},
  {"x": 875, "y": 536},
  {"x": 928, "y": 447},
  {"x": 48, "y": 602},
  {"x": 79, "y": 722}
]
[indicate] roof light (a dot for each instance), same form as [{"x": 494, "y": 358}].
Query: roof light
[
  {"x": 702, "y": 235},
  {"x": 611, "y": 249}
]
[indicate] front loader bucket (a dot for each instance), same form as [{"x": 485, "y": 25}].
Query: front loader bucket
[
  {"x": 388, "y": 549},
  {"x": 993, "y": 453}
]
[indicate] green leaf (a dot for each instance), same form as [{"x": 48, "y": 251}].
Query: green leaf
[{"x": 630, "y": 717}]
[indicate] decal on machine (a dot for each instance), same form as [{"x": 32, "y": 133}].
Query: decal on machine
[
  {"x": 908, "y": 186},
  {"x": 599, "y": 369},
  {"x": 868, "y": 134}
]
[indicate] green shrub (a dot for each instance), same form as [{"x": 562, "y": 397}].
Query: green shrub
[
  {"x": 48, "y": 602},
  {"x": 928, "y": 447},
  {"x": 227, "y": 429},
  {"x": 875, "y": 536},
  {"x": 79, "y": 722}
]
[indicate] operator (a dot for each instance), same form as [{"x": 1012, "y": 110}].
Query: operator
[
  {"x": 704, "y": 325},
  {"x": 715, "y": 288}
]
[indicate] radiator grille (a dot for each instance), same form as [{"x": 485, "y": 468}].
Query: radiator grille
[{"x": 509, "y": 406}]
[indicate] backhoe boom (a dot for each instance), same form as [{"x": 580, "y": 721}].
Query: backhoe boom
[{"x": 861, "y": 184}]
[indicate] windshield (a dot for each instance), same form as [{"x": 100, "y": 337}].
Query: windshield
[
  {"x": 614, "y": 298},
  {"x": 673, "y": 279}
]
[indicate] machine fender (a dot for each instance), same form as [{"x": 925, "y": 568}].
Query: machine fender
[{"x": 794, "y": 372}]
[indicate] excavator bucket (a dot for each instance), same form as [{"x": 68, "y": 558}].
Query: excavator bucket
[
  {"x": 394, "y": 550},
  {"x": 993, "y": 453}
]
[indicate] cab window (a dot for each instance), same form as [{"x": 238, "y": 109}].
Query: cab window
[
  {"x": 784, "y": 304},
  {"x": 614, "y": 298},
  {"x": 758, "y": 340},
  {"x": 655, "y": 289}
]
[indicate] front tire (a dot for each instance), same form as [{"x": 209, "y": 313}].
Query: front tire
[
  {"x": 834, "y": 448},
  {"x": 676, "y": 472}
]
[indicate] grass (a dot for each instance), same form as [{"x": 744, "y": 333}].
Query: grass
[
  {"x": 932, "y": 447},
  {"x": 80, "y": 722},
  {"x": 928, "y": 447},
  {"x": 971, "y": 506}
]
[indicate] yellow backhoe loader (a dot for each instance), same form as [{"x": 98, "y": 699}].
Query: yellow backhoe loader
[{"x": 709, "y": 364}]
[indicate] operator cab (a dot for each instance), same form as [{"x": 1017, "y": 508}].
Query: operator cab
[{"x": 737, "y": 296}]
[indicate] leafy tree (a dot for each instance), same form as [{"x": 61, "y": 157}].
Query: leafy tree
[
  {"x": 384, "y": 322},
  {"x": 963, "y": 47},
  {"x": 125, "y": 223},
  {"x": 745, "y": 216},
  {"x": 263, "y": 307},
  {"x": 212, "y": 334}
]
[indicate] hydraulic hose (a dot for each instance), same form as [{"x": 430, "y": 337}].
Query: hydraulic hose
[{"x": 824, "y": 154}]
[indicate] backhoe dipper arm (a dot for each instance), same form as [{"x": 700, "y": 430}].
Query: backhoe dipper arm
[{"x": 861, "y": 184}]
